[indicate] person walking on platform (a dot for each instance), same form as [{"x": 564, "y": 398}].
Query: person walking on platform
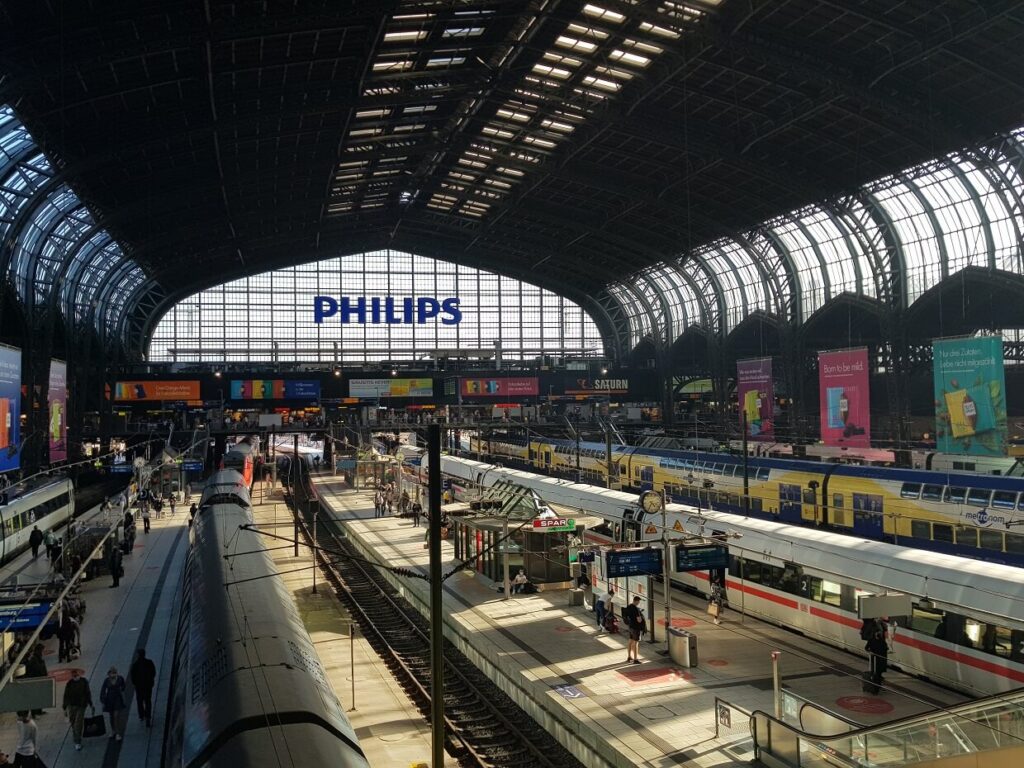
[
  {"x": 378, "y": 503},
  {"x": 143, "y": 676},
  {"x": 172, "y": 501},
  {"x": 77, "y": 697},
  {"x": 112, "y": 697},
  {"x": 25, "y": 752},
  {"x": 51, "y": 543},
  {"x": 114, "y": 563},
  {"x": 67, "y": 633},
  {"x": 637, "y": 625},
  {"x": 417, "y": 510},
  {"x": 34, "y": 540},
  {"x": 145, "y": 519},
  {"x": 192, "y": 513}
]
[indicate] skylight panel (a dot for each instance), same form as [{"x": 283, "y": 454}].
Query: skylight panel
[
  {"x": 671, "y": 34},
  {"x": 405, "y": 36},
  {"x": 366, "y": 205},
  {"x": 491, "y": 130},
  {"x": 628, "y": 57},
  {"x": 446, "y": 61},
  {"x": 419, "y": 108},
  {"x": 453, "y": 187},
  {"x": 412, "y": 17},
  {"x": 580, "y": 29},
  {"x": 555, "y": 125},
  {"x": 526, "y": 157},
  {"x": 461, "y": 176},
  {"x": 497, "y": 183},
  {"x": 364, "y": 132},
  {"x": 539, "y": 142},
  {"x": 604, "y": 84},
  {"x": 395, "y": 65},
  {"x": 640, "y": 45},
  {"x": 471, "y": 163},
  {"x": 575, "y": 44},
  {"x": 339, "y": 207},
  {"x": 409, "y": 127},
  {"x": 512, "y": 114},
  {"x": 558, "y": 58},
  {"x": 462, "y": 32},
  {"x": 591, "y": 93},
  {"x": 367, "y": 114},
  {"x": 621, "y": 74},
  {"x": 510, "y": 171},
  {"x": 603, "y": 14},
  {"x": 544, "y": 69},
  {"x": 393, "y": 159}
]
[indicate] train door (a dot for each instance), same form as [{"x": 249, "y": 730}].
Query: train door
[
  {"x": 630, "y": 532},
  {"x": 547, "y": 458},
  {"x": 868, "y": 515},
  {"x": 790, "y": 503},
  {"x": 647, "y": 478}
]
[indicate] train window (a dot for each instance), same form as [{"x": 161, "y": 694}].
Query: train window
[
  {"x": 1004, "y": 499},
  {"x": 920, "y": 529},
  {"x": 931, "y": 493},
  {"x": 928, "y": 622},
  {"x": 955, "y": 495},
  {"x": 837, "y": 500},
  {"x": 967, "y": 537},
  {"x": 910, "y": 490},
  {"x": 755, "y": 505},
  {"x": 991, "y": 539},
  {"x": 979, "y": 496},
  {"x": 762, "y": 474},
  {"x": 810, "y": 497},
  {"x": 990, "y": 638},
  {"x": 1015, "y": 543},
  {"x": 942, "y": 532}
]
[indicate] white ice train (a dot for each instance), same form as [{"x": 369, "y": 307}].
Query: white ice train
[
  {"x": 47, "y": 504},
  {"x": 966, "y": 628}
]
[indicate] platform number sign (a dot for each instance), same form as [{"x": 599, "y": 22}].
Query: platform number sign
[{"x": 724, "y": 716}]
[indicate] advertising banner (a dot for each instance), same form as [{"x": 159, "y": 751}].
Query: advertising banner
[
  {"x": 156, "y": 390},
  {"x": 970, "y": 396},
  {"x": 58, "y": 398},
  {"x": 10, "y": 408},
  {"x": 756, "y": 397},
  {"x": 602, "y": 386},
  {"x": 506, "y": 387},
  {"x": 275, "y": 389},
  {"x": 845, "y": 404},
  {"x": 373, "y": 388}
]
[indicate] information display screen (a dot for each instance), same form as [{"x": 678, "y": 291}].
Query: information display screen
[
  {"x": 704, "y": 557},
  {"x": 633, "y": 562}
]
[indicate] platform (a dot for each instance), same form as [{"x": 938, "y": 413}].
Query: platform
[
  {"x": 574, "y": 679},
  {"x": 141, "y": 612}
]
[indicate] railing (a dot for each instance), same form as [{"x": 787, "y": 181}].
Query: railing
[{"x": 974, "y": 727}]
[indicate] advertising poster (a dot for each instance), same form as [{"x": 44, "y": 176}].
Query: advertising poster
[
  {"x": 57, "y": 396},
  {"x": 756, "y": 397},
  {"x": 275, "y": 389},
  {"x": 845, "y": 405},
  {"x": 374, "y": 388},
  {"x": 156, "y": 390},
  {"x": 10, "y": 407},
  {"x": 970, "y": 396},
  {"x": 506, "y": 387}
]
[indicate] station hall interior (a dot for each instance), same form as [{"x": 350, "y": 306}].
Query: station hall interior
[{"x": 685, "y": 332}]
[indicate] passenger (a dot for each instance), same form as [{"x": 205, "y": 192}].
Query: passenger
[
  {"x": 192, "y": 512},
  {"x": 112, "y": 697},
  {"x": 605, "y": 606},
  {"x": 143, "y": 677},
  {"x": 378, "y": 503},
  {"x": 145, "y": 519},
  {"x": 417, "y": 510},
  {"x": 403, "y": 503},
  {"x": 51, "y": 542},
  {"x": 25, "y": 752},
  {"x": 114, "y": 564},
  {"x": 35, "y": 539},
  {"x": 520, "y": 582},
  {"x": 66, "y": 633},
  {"x": 35, "y": 666},
  {"x": 878, "y": 651},
  {"x": 172, "y": 501},
  {"x": 637, "y": 625},
  {"x": 77, "y": 697},
  {"x": 716, "y": 602},
  {"x": 940, "y": 629}
]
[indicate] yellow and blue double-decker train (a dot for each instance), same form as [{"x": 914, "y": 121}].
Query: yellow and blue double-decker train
[{"x": 972, "y": 515}]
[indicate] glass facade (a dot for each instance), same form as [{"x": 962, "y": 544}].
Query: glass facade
[{"x": 270, "y": 316}]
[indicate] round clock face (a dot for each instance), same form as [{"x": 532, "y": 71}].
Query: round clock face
[{"x": 651, "y": 501}]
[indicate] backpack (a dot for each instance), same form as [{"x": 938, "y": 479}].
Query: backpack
[
  {"x": 867, "y": 629},
  {"x": 629, "y": 615}
]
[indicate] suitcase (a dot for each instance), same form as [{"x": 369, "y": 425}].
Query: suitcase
[{"x": 868, "y": 683}]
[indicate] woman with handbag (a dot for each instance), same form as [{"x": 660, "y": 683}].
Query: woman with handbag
[
  {"x": 112, "y": 697},
  {"x": 715, "y": 603},
  {"x": 77, "y": 697}
]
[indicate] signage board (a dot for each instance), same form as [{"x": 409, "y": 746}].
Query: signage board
[
  {"x": 500, "y": 387},
  {"x": 970, "y": 396},
  {"x": 609, "y": 386},
  {"x": 192, "y": 466},
  {"x": 756, "y": 397},
  {"x": 701, "y": 557},
  {"x": 555, "y": 524},
  {"x": 183, "y": 389},
  {"x": 120, "y": 469},
  {"x": 57, "y": 395},
  {"x": 24, "y": 616},
  {"x": 275, "y": 389},
  {"x": 633, "y": 562},
  {"x": 844, "y": 397},
  {"x": 10, "y": 408},
  {"x": 389, "y": 310},
  {"x": 883, "y": 606},
  {"x": 374, "y": 388}
]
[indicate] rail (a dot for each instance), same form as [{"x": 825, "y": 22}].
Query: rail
[{"x": 979, "y": 726}]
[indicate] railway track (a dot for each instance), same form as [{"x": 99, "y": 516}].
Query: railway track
[{"x": 483, "y": 726}]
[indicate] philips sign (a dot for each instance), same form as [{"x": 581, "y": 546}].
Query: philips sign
[{"x": 386, "y": 310}]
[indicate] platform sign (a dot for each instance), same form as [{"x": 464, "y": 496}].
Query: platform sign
[
  {"x": 192, "y": 466},
  {"x": 23, "y": 616},
  {"x": 554, "y": 524},
  {"x": 121, "y": 469},
  {"x": 702, "y": 557},
  {"x": 10, "y": 407},
  {"x": 633, "y": 562}
]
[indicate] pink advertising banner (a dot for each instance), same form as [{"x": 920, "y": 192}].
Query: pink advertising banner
[
  {"x": 845, "y": 404},
  {"x": 756, "y": 397},
  {"x": 57, "y": 396}
]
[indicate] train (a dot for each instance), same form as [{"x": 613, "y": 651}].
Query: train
[
  {"x": 242, "y": 457},
  {"x": 247, "y": 686},
  {"x": 966, "y": 514},
  {"x": 965, "y": 629},
  {"x": 46, "y": 504}
]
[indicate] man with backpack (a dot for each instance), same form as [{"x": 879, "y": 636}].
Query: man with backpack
[
  {"x": 633, "y": 615},
  {"x": 873, "y": 632}
]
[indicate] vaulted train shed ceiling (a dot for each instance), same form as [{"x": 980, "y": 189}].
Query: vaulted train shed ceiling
[{"x": 567, "y": 142}]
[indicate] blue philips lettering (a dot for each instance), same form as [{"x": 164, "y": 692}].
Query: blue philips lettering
[
  {"x": 407, "y": 311},
  {"x": 375, "y": 309},
  {"x": 451, "y": 307},
  {"x": 347, "y": 309},
  {"x": 323, "y": 306},
  {"x": 426, "y": 308},
  {"x": 389, "y": 312}
]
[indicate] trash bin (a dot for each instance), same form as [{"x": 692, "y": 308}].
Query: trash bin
[
  {"x": 576, "y": 596},
  {"x": 682, "y": 647}
]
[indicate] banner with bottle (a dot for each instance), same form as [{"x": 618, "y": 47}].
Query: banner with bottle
[
  {"x": 845, "y": 402},
  {"x": 10, "y": 408},
  {"x": 57, "y": 396},
  {"x": 970, "y": 396},
  {"x": 756, "y": 397}
]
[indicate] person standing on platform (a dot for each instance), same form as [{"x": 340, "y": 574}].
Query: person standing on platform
[
  {"x": 113, "y": 700},
  {"x": 25, "y": 752},
  {"x": 35, "y": 666},
  {"x": 637, "y": 625},
  {"x": 51, "y": 543},
  {"x": 172, "y": 501},
  {"x": 67, "y": 633},
  {"x": 604, "y": 606},
  {"x": 143, "y": 676},
  {"x": 145, "y": 519},
  {"x": 114, "y": 563},
  {"x": 877, "y": 647},
  {"x": 417, "y": 510},
  {"x": 77, "y": 697},
  {"x": 34, "y": 540}
]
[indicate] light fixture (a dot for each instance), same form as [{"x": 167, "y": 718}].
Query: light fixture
[
  {"x": 604, "y": 371},
  {"x": 217, "y": 374},
  {"x": 337, "y": 372},
  {"x": 394, "y": 372}
]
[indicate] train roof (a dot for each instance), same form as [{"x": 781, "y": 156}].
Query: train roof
[{"x": 225, "y": 487}]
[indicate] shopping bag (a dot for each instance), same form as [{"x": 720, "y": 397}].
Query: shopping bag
[
  {"x": 94, "y": 726},
  {"x": 713, "y": 610}
]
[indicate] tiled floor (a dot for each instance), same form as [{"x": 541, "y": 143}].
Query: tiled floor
[{"x": 652, "y": 714}]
